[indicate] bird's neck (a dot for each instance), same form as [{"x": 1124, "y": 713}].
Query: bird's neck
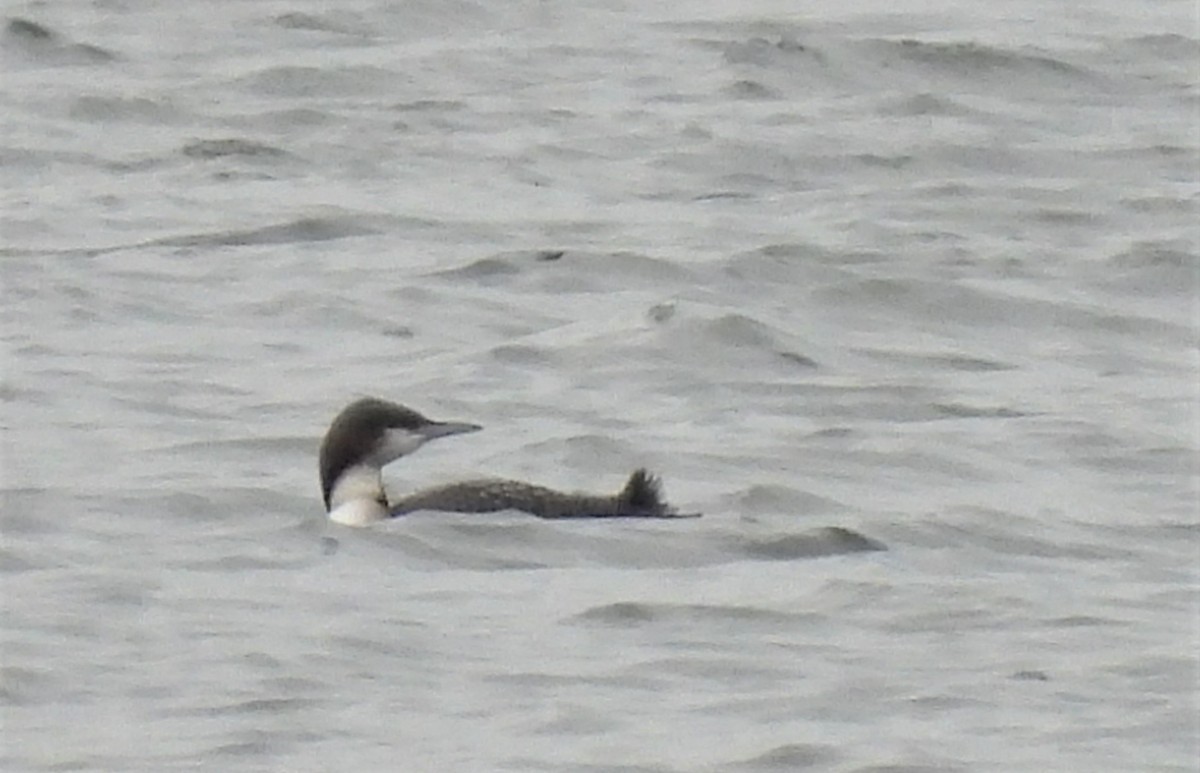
[{"x": 358, "y": 498}]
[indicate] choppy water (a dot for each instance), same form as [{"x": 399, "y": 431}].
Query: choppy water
[{"x": 928, "y": 277}]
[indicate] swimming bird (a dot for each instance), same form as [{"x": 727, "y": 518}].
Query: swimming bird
[{"x": 370, "y": 433}]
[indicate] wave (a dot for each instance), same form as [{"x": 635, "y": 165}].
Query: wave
[{"x": 36, "y": 43}]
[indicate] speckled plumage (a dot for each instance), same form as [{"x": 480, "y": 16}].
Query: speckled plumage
[{"x": 639, "y": 498}]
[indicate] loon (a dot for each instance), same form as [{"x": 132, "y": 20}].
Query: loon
[{"x": 370, "y": 433}]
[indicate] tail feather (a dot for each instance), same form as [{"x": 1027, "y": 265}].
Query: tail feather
[{"x": 642, "y": 495}]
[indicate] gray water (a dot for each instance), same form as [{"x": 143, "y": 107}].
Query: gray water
[{"x": 921, "y": 275}]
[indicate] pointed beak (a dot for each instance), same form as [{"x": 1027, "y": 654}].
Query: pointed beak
[{"x": 437, "y": 429}]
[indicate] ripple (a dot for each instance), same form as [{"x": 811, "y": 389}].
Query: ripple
[
  {"x": 827, "y": 541},
  {"x": 43, "y": 45},
  {"x": 793, "y": 757},
  {"x": 209, "y": 149},
  {"x": 637, "y": 613}
]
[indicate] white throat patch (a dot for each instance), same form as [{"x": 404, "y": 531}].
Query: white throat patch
[
  {"x": 396, "y": 443},
  {"x": 357, "y": 497}
]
